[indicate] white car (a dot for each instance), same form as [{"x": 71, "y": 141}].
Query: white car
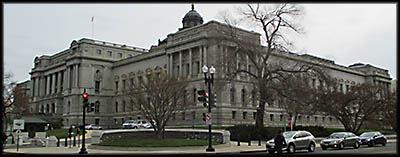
[
  {"x": 136, "y": 124},
  {"x": 93, "y": 127}
]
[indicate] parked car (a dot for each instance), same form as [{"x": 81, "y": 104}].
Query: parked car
[
  {"x": 93, "y": 127},
  {"x": 340, "y": 140},
  {"x": 136, "y": 124},
  {"x": 295, "y": 140},
  {"x": 372, "y": 138}
]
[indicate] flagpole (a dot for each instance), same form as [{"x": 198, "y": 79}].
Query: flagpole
[{"x": 92, "y": 27}]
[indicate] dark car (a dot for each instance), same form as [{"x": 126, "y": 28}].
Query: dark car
[
  {"x": 340, "y": 140},
  {"x": 295, "y": 140},
  {"x": 372, "y": 138}
]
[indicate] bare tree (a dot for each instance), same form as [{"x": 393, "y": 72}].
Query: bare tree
[
  {"x": 352, "y": 107},
  {"x": 158, "y": 98},
  {"x": 389, "y": 111},
  {"x": 265, "y": 72},
  {"x": 8, "y": 97}
]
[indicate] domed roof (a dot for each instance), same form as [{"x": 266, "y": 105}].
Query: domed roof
[
  {"x": 192, "y": 18},
  {"x": 192, "y": 13}
]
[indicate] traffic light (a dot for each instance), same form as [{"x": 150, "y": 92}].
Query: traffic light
[
  {"x": 90, "y": 108},
  {"x": 203, "y": 97},
  {"x": 213, "y": 98},
  {"x": 204, "y": 116},
  {"x": 85, "y": 99}
]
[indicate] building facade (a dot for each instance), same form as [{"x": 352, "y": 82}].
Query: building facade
[{"x": 104, "y": 70}]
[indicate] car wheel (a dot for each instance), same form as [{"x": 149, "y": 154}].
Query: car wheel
[
  {"x": 271, "y": 151},
  {"x": 323, "y": 147},
  {"x": 356, "y": 145},
  {"x": 371, "y": 144},
  {"x": 384, "y": 143},
  {"x": 311, "y": 148},
  {"x": 291, "y": 148},
  {"x": 135, "y": 127},
  {"x": 341, "y": 145}
]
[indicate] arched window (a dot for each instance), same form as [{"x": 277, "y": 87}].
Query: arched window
[
  {"x": 123, "y": 106},
  {"x": 47, "y": 108},
  {"x": 244, "y": 97},
  {"x": 194, "y": 96},
  {"x": 232, "y": 96},
  {"x": 69, "y": 107},
  {"x": 53, "y": 108}
]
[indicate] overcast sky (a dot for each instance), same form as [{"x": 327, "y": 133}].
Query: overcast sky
[{"x": 346, "y": 33}]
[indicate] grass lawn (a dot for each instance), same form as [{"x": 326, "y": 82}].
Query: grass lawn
[{"x": 156, "y": 143}]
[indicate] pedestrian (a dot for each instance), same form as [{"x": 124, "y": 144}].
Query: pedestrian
[
  {"x": 78, "y": 132},
  {"x": 3, "y": 138},
  {"x": 70, "y": 136},
  {"x": 279, "y": 142}
]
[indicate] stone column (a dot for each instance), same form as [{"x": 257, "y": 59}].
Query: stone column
[
  {"x": 200, "y": 60},
  {"x": 171, "y": 63},
  {"x": 33, "y": 86},
  {"x": 59, "y": 82},
  {"x": 205, "y": 55},
  {"x": 54, "y": 83},
  {"x": 67, "y": 77},
  {"x": 190, "y": 63},
  {"x": 48, "y": 85},
  {"x": 38, "y": 86},
  {"x": 76, "y": 83},
  {"x": 180, "y": 63}
]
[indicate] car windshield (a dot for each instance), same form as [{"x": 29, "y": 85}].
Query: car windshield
[
  {"x": 336, "y": 135},
  {"x": 367, "y": 134},
  {"x": 288, "y": 134}
]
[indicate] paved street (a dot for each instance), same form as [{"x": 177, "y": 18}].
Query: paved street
[{"x": 232, "y": 148}]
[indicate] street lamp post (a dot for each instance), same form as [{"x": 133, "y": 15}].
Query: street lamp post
[{"x": 209, "y": 81}]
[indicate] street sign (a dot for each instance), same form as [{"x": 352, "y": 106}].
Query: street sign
[
  {"x": 208, "y": 118},
  {"x": 19, "y": 124}
]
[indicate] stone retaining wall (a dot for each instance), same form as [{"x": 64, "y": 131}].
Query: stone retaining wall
[{"x": 220, "y": 136}]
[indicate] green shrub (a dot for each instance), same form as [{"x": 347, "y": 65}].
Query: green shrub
[{"x": 251, "y": 132}]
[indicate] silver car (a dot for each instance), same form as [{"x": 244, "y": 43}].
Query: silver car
[
  {"x": 296, "y": 140},
  {"x": 340, "y": 140}
]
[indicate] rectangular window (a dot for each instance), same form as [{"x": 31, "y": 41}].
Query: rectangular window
[
  {"x": 97, "y": 121},
  {"x": 244, "y": 115},
  {"x": 233, "y": 114},
  {"x": 120, "y": 55},
  {"x": 280, "y": 118},
  {"x": 109, "y": 53},
  {"x": 97, "y": 86},
  {"x": 116, "y": 86},
  {"x": 97, "y": 107},
  {"x": 254, "y": 115},
  {"x": 98, "y": 52},
  {"x": 183, "y": 116},
  {"x": 193, "y": 115},
  {"x": 271, "y": 117}
]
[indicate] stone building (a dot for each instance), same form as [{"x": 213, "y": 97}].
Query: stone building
[{"x": 105, "y": 69}]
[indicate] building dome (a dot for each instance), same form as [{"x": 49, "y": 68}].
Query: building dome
[{"x": 192, "y": 18}]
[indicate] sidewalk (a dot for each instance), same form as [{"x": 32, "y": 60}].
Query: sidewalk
[{"x": 92, "y": 149}]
